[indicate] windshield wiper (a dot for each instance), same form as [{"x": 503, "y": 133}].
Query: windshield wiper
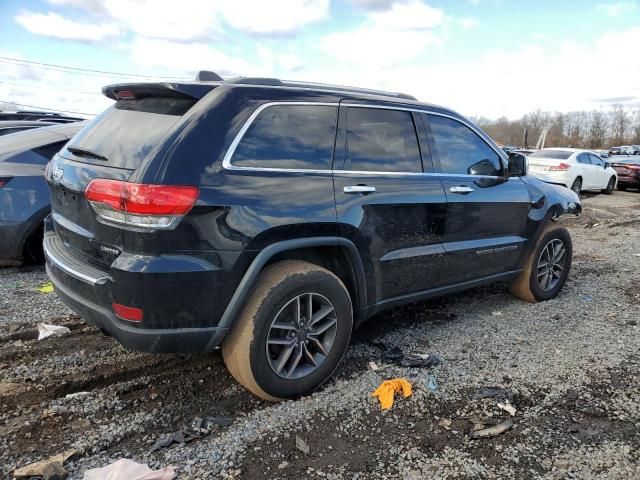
[{"x": 81, "y": 152}]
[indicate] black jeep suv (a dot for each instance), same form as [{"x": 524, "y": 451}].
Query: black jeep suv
[{"x": 270, "y": 218}]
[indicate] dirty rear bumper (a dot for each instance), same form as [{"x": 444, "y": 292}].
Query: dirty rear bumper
[
  {"x": 90, "y": 292},
  {"x": 174, "y": 340}
]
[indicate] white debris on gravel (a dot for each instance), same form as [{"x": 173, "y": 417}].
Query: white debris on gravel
[{"x": 20, "y": 304}]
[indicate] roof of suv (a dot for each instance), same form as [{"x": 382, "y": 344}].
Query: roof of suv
[{"x": 199, "y": 88}]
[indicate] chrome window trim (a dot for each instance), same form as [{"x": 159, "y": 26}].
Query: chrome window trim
[
  {"x": 464, "y": 122},
  {"x": 226, "y": 160},
  {"x": 227, "y": 165}
]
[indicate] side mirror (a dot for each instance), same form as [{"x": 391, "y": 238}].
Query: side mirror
[
  {"x": 517, "y": 165},
  {"x": 483, "y": 167},
  {"x": 606, "y": 165}
]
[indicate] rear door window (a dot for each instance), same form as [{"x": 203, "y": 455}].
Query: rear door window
[
  {"x": 460, "y": 150},
  {"x": 297, "y": 137},
  {"x": 124, "y": 134},
  {"x": 380, "y": 140}
]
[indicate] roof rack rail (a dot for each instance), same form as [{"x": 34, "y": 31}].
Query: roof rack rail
[
  {"x": 255, "y": 81},
  {"x": 344, "y": 88},
  {"x": 275, "y": 82}
]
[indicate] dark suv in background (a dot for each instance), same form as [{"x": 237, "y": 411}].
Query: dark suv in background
[{"x": 272, "y": 217}]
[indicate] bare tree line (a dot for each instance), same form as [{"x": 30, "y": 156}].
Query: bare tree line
[{"x": 595, "y": 129}]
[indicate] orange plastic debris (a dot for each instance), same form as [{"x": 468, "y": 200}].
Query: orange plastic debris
[{"x": 387, "y": 389}]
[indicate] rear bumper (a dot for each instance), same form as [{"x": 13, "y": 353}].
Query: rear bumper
[
  {"x": 629, "y": 181},
  {"x": 90, "y": 292},
  {"x": 556, "y": 178}
]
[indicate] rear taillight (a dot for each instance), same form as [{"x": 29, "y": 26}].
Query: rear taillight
[
  {"x": 140, "y": 205},
  {"x": 561, "y": 167},
  {"x": 4, "y": 181}
]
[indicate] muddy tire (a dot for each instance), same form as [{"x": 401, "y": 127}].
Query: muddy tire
[
  {"x": 292, "y": 333},
  {"x": 547, "y": 267}
]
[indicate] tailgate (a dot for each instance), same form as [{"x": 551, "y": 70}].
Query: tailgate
[
  {"x": 112, "y": 146},
  {"x": 73, "y": 218}
]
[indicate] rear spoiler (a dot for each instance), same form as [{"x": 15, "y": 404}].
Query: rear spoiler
[{"x": 141, "y": 90}]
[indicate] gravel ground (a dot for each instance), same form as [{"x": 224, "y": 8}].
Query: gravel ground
[{"x": 571, "y": 364}]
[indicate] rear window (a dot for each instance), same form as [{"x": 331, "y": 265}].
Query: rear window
[
  {"x": 7, "y": 131},
  {"x": 556, "y": 154},
  {"x": 26, "y": 140},
  {"x": 289, "y": 136},
  {"x": 124, "y": 134}
]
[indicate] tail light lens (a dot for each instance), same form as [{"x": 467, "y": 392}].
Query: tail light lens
[
  {"x": 4, "y": 181},
  {"x": 561, "y": 167},
  {"x": 140, "y": 205}
]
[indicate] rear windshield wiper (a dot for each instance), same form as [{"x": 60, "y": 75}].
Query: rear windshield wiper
[{"x": 82, "y": 152}]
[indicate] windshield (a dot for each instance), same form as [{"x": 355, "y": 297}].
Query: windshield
[
  {"x": 557, "y": 154},
  {"x": 124, "y": 134}
]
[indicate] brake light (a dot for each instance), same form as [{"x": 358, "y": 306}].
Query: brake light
[
  {"x": 4, "y": 181},
  {"x": 132, "y": 314},
  {"x": 125, "y": 95},
  {"x": 561, "y": 167},
  {"x": 140, "y": 205}
]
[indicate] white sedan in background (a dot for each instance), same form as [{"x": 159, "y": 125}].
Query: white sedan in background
[{"x": 575, "y": 169}]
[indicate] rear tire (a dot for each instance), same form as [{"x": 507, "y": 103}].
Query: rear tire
[
  {"x": 611, "y": 186},
  {"x": 577, "y": 186},
  {"x": 530, "y": 284},
  {"x": 255, "y": 348}
]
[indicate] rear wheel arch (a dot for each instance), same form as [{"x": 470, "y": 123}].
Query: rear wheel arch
[
  {"x": 340, "y": 260},
  {"x": 296, "y": 249}
]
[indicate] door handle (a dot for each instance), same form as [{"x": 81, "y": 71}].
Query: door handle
[
  {"x": 359, "y": 189},
  {"x": 461, "y": 189}
]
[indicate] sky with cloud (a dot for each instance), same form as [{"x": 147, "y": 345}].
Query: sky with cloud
[{"x": 486, "y": 58}]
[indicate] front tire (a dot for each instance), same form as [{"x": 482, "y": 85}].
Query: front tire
[
  {"x": 547, "y": 266},
  {"x": 610, "y": 186},
  {"x": 292, "y": 333}
]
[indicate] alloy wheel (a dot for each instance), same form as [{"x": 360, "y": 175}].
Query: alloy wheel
[
  {"x": 301, "y": 336},
  {"x": 551, "y": 264}
]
